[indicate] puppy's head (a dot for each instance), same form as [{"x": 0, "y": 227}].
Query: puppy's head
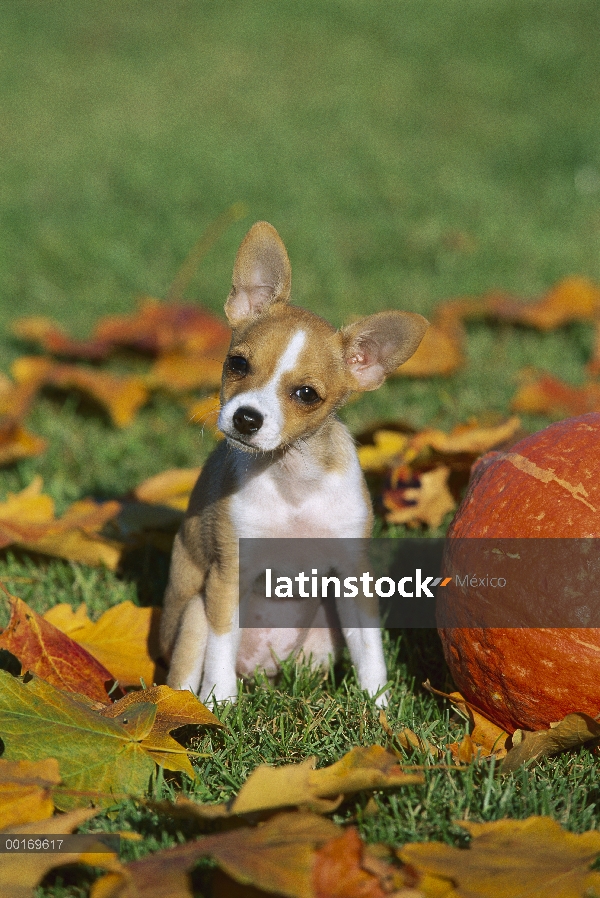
[{"x": 287, "y": 369}]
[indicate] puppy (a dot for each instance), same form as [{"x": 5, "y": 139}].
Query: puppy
[{"x": 287, "y": 468}]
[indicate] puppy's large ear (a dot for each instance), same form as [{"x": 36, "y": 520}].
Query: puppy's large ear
[
  {"x": 262, "y": 274},
  {"x": 375, "y": 346}
]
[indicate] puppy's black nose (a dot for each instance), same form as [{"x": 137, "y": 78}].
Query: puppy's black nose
[{"x": 247, "y": 420}]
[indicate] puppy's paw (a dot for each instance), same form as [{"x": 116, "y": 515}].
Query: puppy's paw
[{"x": 222, "y": 691}]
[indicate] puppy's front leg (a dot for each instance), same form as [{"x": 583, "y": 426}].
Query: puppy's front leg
[
  {"x": 359, "y": 618},
  {"x": 223, "y": 639}
]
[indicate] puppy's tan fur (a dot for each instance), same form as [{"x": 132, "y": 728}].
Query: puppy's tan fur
[{"x": 296, "y": 475}]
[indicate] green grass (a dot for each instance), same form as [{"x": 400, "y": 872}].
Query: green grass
[{"x": 406, "y": 152}]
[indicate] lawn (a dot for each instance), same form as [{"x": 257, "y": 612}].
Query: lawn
[{"x": 407, "y": 153}]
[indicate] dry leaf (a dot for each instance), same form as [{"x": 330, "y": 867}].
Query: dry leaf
[
  {"x": 572, "y": 731},
  {"x": 16, "y": 443},
  {"x": 50, "y": 654},
  {"x": 277, "y": 856},
  {"x": 440, "y": 352},
  {"x": 338, "y": 870},
  {"x": 124, "y": 639},
  {"x": 269, "y": 788},
  {"x": 27, "y": 520},
  {"x": 423, "y": 498},
  {"x": 19, "y": 875},
  {"x": 48, "y": 335},
  {"x": 534, "y": 858},
  {"x": 548, "y": 395},
  {"x": 180, "y": 372},
  {"x": 572, "y": 299},
  {"x": 26, "y": 790},
  {"x": 465, "y": 439},
  {"x": 410, "y": 741},
  {"x": 100, "y": 758},
  {"x": 485, "y": 738},
  {"x": 121, "y": 396},
  {"x": 172, "y": 488}
]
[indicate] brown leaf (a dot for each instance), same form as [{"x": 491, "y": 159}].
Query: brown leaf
[
  {"x": 16, "y": 443},
  {"x": 268, "y": 788},
  {"x": 423, "y": 498},
  {"x": 440, "y": 352},
  {"x": 338, "y": 870},
  {"x": 548, "y": 395},
  {"x": 485, "y": 738},
  {"x": 467, "y": 439},
  {"x": 179, "y": 372},
  {"x": 27, "y": 520},
  {"x": 409, "y": 741},
  {"x": 51, "y": 655},
  {"x": 48, "y": 335},
  {"x": 533, "y": 857},
  {"x": 174, "y": 709},
  {"x": 572, "y": 299},
  {"x": 124, "y": 639},
  {"x": 160, "y": 327},
  {"x": 19, "y": 875},
  {"x": 572, "y": 731},
  {"x": 277, "y": 857},
  {"x": 26, "y": 790},
  {"x": 121, "y": 396},
  {"x": 172, "y": 488}
]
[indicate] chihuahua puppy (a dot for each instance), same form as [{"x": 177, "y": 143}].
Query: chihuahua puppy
[{"x": 287, "y": 468}]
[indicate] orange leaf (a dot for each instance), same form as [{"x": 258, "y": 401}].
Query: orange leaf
[
  {"x": 470, "y": 439},
  {"x": 16, "y": 443},
  {"x": 122, "y": 397},
  {"x": 440, "y": 352},
  {"x": 51, "y": 655},
  {"x": 338, "y": 870},
  {"x": 124, "y": 639},
  {"x": 547, "y": 395},
  {"x": 423, "y": 498},
  {"x": 26, "y": 790},
  {"x": 180, "y": 371},
  {"x": 27, "y": 520},
  {"x": 159, "y": 327},
  {"x": 171, "y": 488},
  {"x": 572, "y": 299},
  {"x": 49, "y": 336}
]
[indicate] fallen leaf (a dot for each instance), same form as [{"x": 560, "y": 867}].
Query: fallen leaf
[
  {"x": 27, "y": 520},
  {"x": 98, "y": 758},
  {"x": 410, "y": 741},
  {"x": 48, "y": 335},
  {"x": 422, "y": 498},
  {"x": 484, "y": 738},
  {"x": 26, "y": 790},
  {"x": 465, "y": 439},
  {"x": 160, "y": 327},
  {"x": 389, "y": 448},
  {"x": 174, "y": 709},
  {"x": 172, "y": 488},
  {"x": 572, "y": 299},
  {"x": 121, "y": 396},
  {"x": 572, "y": 731},
  {"x": 179, "y": 372},
  {"x": 533, "y": 857},
  {"x": 548, "y": 395},
  {"x": 17, "y": 443},
  {"x": 44, "y": 650},
  {"x": 277, "y": 856},
  {"x": 441, "y": 351},
  {"x": 338, "y": 870},
  {"x": 19, "y": 874},
  {"x": 124, "y": 638},
  {"x": 300, "y": 785}
]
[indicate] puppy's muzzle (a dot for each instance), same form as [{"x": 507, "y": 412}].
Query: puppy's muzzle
[{"x": 247, "y": 420}]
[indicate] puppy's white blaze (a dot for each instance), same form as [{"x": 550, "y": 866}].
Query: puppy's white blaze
[{"x": 266, "y": 400}]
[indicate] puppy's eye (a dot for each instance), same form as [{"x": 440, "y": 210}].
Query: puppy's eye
[
  {"x": 306, "y": 395},
  {"x": 237, "y": 364}
]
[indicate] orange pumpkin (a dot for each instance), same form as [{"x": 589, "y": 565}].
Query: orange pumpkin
[{"x": 547, "y": 485}]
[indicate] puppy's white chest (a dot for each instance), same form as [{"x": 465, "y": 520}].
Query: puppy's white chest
[{"x": 296, "y": 500}]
